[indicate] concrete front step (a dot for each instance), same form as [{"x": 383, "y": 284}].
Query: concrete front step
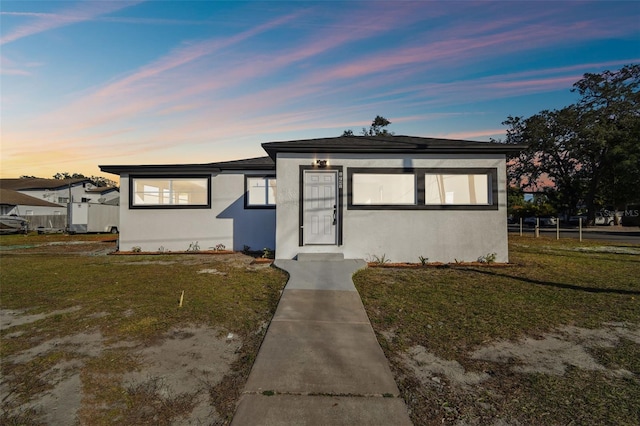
[{"x": 320, "y": 257}]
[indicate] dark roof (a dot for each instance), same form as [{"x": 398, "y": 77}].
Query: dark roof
[
  {"x": 259, "y": 163},
  {"x": 341, "y": 144},
  {"x": 38, "y": 183},
  {"x": 15, "y": 198},
  {"x": 388, "y": 145},
  {"x": 101, "y": 189},
  {"x": 265, "y": 163}
]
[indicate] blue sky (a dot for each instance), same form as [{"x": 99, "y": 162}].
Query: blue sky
[{"x": 153, "y": 82}]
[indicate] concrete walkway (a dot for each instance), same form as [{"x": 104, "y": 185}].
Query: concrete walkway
[{"x": 320, "y": 362}]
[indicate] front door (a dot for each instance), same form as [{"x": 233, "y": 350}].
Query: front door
[{"x": 320, "y": 207}]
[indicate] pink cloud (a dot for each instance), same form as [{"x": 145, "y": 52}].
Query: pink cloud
[
  {"x": 143, "y": 91},
  {"x": 189, "y": 53},
  {"x": 80, "y": 12}
]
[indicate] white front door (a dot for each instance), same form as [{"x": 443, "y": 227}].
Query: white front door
[{"x": 320, "y": 207}]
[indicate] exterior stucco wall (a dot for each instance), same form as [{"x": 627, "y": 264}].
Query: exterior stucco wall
[
  {"x": 53, "y": 195},
  {"x": 24, "y": 210},
  {"x": 102, "y": 198},
  {"x": 227, "y": 222},
  {"x": 401, "y": 235}
]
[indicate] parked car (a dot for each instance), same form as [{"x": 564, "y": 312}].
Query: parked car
[
  {"x": 544, "y": 221},
  {"x": 602, "y": 218}
]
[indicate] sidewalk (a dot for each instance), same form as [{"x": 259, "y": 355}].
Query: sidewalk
[{"x": 320, "y": 362}]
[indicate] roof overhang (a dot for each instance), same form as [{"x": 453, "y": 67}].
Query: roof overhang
[
  {"x": 260, "y": 163},
  {"x": 159, "y": 168},
  {"x": 389, "y": 145}
]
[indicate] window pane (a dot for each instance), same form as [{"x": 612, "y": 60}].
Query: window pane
[
  {"x": 257, "y": 191},
  {"x": 383, "y": 189},
  {"x": 461, "y": 189},
  {"x": 261, "y": 191},
  {"x": 176, "y": 191}
]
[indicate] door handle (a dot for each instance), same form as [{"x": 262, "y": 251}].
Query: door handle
[{"x": 335, "y": 211}]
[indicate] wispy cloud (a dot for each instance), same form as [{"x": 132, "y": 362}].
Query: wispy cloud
[
  {"x": 322, "y": 70},
  {"x": 82, "y": 11},
  {"x": 11, "y": 67}
]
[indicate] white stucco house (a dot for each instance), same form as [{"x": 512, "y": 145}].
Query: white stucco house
[
  {"x": 62, "y": 191},
  {"x": 398, "y": 196},
  {"x": 15, "y": 203}
]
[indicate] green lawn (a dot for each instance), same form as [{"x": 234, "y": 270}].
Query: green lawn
[
  {"x": 127, "y": 299},
  {"x": 453, "y": 311}
]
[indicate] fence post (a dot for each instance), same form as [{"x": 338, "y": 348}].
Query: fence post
[
  {"x": 580, "y": 227},
  {"x": 537, "y": 231},
  {"x": 521, "y": 227},
  {"x": 557, "y": 228}
]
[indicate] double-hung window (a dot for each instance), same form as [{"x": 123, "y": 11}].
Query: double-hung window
[
  {"x": 260, "y": 192},
  {"x": 170, "y": 192}
]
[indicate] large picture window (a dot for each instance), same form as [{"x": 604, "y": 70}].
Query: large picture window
[
  {"x": 260, "y": 191},
  {"x": 383, "y": 189},
  {"x": 422, "y": 188},
  {"x": 460, "y": 189},
  {"x": 170, "y": 192}
]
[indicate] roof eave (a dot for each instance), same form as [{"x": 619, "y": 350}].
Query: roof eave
[
  {"x": 159, "y": 168},
  {"x": 183, "y": 168},
  {"x": 493, "y": 149}
]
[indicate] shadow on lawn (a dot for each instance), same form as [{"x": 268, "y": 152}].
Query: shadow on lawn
[{"x": 552, "y": 284}]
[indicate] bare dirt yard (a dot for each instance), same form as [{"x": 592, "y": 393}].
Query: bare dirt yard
[
  {"x": 89, "y": 338},
  {"x": 552, "y": 339}
]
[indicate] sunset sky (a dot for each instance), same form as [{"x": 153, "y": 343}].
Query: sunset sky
[{"x": 85, "y": 83}]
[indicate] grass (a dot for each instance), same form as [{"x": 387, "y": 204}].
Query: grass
[
  {"x": 453, "y": 311},
  {"x": 127, "y": 299},
  {"x": 450, "y": 311}
]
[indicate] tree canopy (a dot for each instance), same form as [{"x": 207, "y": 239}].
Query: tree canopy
[
  {"x": 588, "y": 151},
  {"x": 377, "y": 128},
  {"x": 96, "y": 180}
]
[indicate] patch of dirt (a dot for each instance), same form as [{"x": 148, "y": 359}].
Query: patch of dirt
[
  {"x": 555, "y": 352},
  {"x": 552, "y": 353},
  {"x": 428, "y": 367},
  {"x": 487, "y": 377},
  {"x": 190, "y": 362},
  {"x": 182, "y": 367},
  {"x": 13, "y": 318},
  {"x": 60, "y": 399}
]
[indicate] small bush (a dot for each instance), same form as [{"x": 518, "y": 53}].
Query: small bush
[
  {"x": 267, "y": 253},
  {"x": 379, "y": 260},
  {"x": 488, "y": 258}
]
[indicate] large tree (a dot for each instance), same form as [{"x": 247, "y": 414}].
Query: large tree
[
  {"x": 589, "y": 151},
  {"x": 377, "y": 128},
  {"x": 96, "y": 180}
]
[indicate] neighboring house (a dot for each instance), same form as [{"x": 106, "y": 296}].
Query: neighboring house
[
  {"x": 59, "y": 191},
  {"x": 14, "y": 203},
  {"x": 103, "y": 195},
  {"x": 398, "y": 196},
  {"x": 62, "y": 191}
]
